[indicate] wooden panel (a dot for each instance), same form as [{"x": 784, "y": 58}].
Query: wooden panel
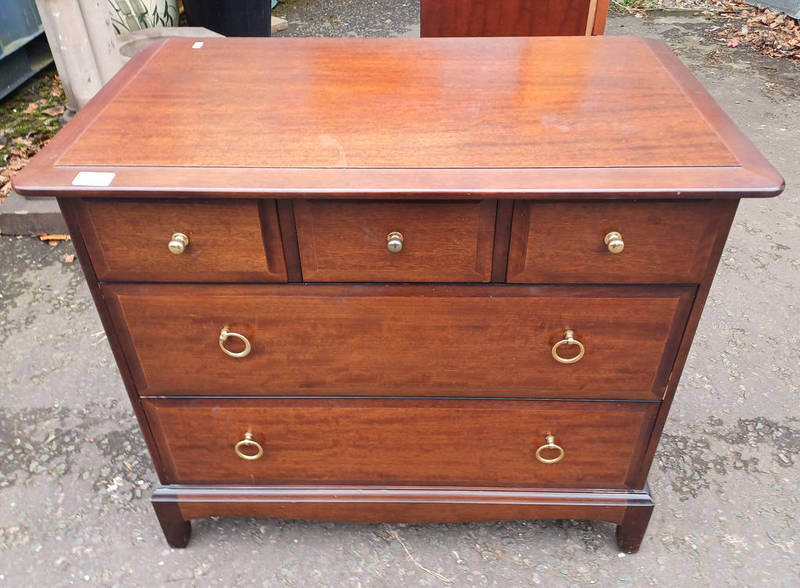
[
  {"x": 401, "y": 340},
  {"x": 502, "y": 236},
  {"x": 504, "y": 18},
  {"x": 665, "y": 242},
  {"x": 418, "y": 103},
  {"x": 228, "y": 241},
  {"x": 725, "y": 220},
  {"x": 374, "y": 441},
  {"x": 429, "y": 504},
  {"x": 176, "y": 505},
  {"x": 345, "y": 241},
  {"x": 388, "y": 117}
]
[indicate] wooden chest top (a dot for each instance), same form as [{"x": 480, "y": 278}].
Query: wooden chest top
[{"x": 597, "y": 116}]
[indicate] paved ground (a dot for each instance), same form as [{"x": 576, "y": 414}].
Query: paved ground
[{"x": 74, "y": 476}]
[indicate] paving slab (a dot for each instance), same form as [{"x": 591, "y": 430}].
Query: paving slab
[
  {"x": 30, "y": 216},
  {"x": 75, "y": 475}
]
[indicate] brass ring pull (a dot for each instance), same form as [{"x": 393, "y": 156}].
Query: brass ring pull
[
  {"x": 223, "y": 336},
  {"x": 568, "y": 339},
  {"x": 248, "y": 442},
  {"x": 550, "y": 445}
]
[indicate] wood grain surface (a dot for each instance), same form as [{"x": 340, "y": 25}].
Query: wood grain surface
[
  {"x": 228, "y": 242},
  {"x": 508, "y": 18},
  {"x": 665, "y": 242},
  {"x": 345, "y": 241},
  {"x": 416, "y": 103},
  {"x": 371, "y": 441},
  {"x": 399, "y": 340},
  {"x": 505, "y": 115}
]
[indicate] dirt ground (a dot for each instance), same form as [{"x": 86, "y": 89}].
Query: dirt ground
[{"x": 75, "y": 476}]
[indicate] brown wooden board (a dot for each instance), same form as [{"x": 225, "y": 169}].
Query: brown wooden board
[
  {"x": 228, "y": 241},
  {"x": 408, "y": 442},
  {"x": 564, "y": 242},
  {"x": 384, "y": 340},
  {"x": 346, "y": 241},
  {"x": 508, "y": 18},
  {"x": 404, "y": 118}
]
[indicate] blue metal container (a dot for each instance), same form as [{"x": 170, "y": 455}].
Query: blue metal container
[{"x": 23, "y": 46}]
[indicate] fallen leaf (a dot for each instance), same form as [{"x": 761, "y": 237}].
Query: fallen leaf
[
  {"x": 16, "y": 163},
  {"x": 69, "y": 258},
  {"x": 47, "y": 237},
  {"x": 53, "y": 111},
  {"x": 733, "y": 43},
  {"x": 30, "y": 109}
]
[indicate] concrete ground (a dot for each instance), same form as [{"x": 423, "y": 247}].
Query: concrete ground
[{"x": 75, "y": 476}]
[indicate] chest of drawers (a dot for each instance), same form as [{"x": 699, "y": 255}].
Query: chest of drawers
[{"x": 401, "y": 280}]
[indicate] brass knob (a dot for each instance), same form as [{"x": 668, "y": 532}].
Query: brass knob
[
  {"x": 569, "y": 339},
  {"x": 248, "y": 442},
  {"x": 394, "y": 242},
  {"x": 224, "y": 334},
  {"x": 550, "y": 445},
  {"x": 178, "y": 243},
  {"x": 614, "y": 242}
]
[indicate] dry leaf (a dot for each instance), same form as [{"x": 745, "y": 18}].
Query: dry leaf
[
  {"x": 5, "y": 189},
  {"x": 56, "y": 238},
  {"x": 733, "y": 43},
  {"x": 69, "y": 258},
  {"x": 16, "y": 163},
  {"x": 54, "y": 111},
  {"x": 30, "y": 109}
]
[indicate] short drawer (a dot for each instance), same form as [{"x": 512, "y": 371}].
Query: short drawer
[
  {"x": 400, "y": 340},
  {"x": 353, "y": 241},
  {"x": 230, "y": 241},
  {"x": 399, "y": 442},
  {"x": 614, "y": 242}
]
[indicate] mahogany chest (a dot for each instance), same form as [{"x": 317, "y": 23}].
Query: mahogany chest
[{"x": 417, "y": 280}]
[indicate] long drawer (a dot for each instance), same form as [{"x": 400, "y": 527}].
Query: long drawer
[
  {"x": 401, "y": 442},
  {"x": 400, "y": 340}
]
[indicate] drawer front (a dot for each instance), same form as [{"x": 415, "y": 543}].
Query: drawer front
[
  {"x": 397, "y": 442},
  {"x": 348, "y": 241},
  {"x": 227, "y": 241},
  {"x": 400, "y": 340},
  {"x": 661, "y": 242}
]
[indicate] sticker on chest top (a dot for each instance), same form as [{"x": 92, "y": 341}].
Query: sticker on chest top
[{"x": 93, "y": 179}]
